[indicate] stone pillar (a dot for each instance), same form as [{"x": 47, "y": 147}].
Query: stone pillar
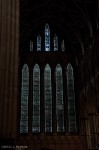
[{"x": 9, "y": 49}]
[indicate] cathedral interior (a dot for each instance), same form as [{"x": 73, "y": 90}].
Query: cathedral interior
[{"x": 49, "y": 75}]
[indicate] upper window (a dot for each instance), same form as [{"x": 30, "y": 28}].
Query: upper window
[
  {"x": 55, "y": 43},
  {"x": 48, "y": 41},
  {"x": 38, "y": 43},
  {"x": 31, "y": 45},
  {"x": 63, "y": 46},
  {"x": 47, "y": 38}
]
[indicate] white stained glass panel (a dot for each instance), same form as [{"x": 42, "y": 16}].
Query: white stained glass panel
[
  {"x": 59, "y": 99},
  {"x": 71, "y": 99},
  {"x": 48, "y": 99},
  {"x": 36, "y": 99},
  {"x": 24, "y": 100}
]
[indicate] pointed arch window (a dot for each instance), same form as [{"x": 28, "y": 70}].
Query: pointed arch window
[
  {"x": 38, "y": 43},
  {"x": 55, "y": 43},
  {"x": 59, "y": 99},
  {"x": 63, "y": 46},
  {"x": 48, "y": 98},
  {"x": 36, "y": 99},
  {"x": 24, "y": 99},
  {"x": 47, "y": 38},
  {"x": 71, "y": 99},
  {"x": 52, "y": 98},
  {"x": 31, "y": 45}
]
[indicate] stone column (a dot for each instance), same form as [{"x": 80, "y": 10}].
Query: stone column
[{"x": 9, "y": 49}]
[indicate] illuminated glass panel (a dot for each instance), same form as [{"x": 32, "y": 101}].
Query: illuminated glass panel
[
  {"x": 36, "y": 99},
  {"x": 38, "y": 43},
  {"x": 47, "y": 38},
  {"x": 31, "y": 45},
  {"x": 59, "y": 99},
  {"x": 24, "y": 100},
  {"x": 48, "y": 99},
  {"x": 71, "y": 99},
  {"x": 55, "y": 43},
  {"x": 63, "y": 46}
]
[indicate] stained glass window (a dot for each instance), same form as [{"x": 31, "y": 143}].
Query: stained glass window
[
  {"x": 55, "y": 40},
  {"x": 48, "y": 99},
  {"x": 71, "y": 99},
  {"x": 59, "y": 99},
  {"x": 24, "y": 99},
  {"x": 36, "y": 99},
  {"x": 38, "y": 43},
  {"x": 63, "y": 46},
  {"x": 47, "y": 38},
  {"x": 31, "y": 45}
]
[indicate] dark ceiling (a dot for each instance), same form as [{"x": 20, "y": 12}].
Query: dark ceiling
[{"x": 72, "y": 20}]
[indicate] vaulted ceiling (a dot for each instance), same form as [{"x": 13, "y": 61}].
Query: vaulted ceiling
[{"x": 72, "y": 20}]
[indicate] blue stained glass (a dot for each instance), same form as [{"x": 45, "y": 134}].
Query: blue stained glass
[
  {"x": 36, "y": 99},
  {"x": 48, "y": 99},
  {"x": 55, "y": 43},
  {"x": 24, "y": 100},
  {"x": 47, "y": 38},
  {"x": 63, "y": 46},
  {"x": 31, "y": 45},
  {"x": 59, "y": 99},
  {"x": 38, "y": 43},
  {"x": 71, "y": 99}
]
